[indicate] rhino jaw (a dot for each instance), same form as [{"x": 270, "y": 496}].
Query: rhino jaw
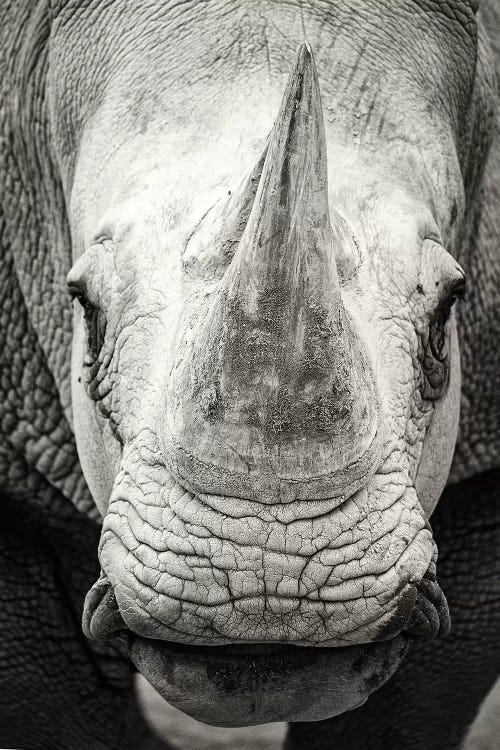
[{"x": 232, "y": 686}]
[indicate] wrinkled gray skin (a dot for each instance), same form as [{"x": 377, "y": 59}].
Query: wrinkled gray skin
[{"x": 263, "y": 393}]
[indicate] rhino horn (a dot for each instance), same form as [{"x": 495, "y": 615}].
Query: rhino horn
[
  {"x": 286, "y": 328},
  {"x": 287, "y": 248},
  {"x": 273, "y": 380}
]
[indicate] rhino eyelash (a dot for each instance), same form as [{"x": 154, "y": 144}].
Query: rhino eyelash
[
  {"x": 95, "y": 323},
  {"x": 457, "y": 292},
  {"x": 435, "y": 363},
  {"x": 443, "y": 311}
]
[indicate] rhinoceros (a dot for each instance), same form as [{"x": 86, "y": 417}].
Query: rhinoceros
[{"x": 238, "y": 371}]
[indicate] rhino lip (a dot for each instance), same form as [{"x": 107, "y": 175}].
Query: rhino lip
[
  {"x": 102, "y": 619},
  {"x": 245, "y": 684},
  {"x": 429, "y": 617}
]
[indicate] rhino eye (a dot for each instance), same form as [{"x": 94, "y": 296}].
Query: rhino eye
[
  {"x": 95, "y": 323},
  {"x": 435, "y": 363}
]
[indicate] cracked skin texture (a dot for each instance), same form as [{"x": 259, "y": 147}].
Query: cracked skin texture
[
  {"x": 40, "y": 471},
  {"x": 197, "y": 573},
  {"x": 202, "y": 572}
]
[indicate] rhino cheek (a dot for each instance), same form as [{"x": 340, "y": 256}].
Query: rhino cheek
[
  {"x": 97, "y": 451},
  {"x": 440, "y": 439}
]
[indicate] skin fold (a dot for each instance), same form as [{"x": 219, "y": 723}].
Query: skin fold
[{"x": 266, "y": 376}]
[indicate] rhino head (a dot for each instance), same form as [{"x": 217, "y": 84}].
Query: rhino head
[{"x": 265, "y": 390}]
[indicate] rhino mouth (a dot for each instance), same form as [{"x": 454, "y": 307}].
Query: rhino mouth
[
  {"x": 253, "y": 683},
  {"x": 259, "y": 683},
  {"x": 427, "y": 618}
]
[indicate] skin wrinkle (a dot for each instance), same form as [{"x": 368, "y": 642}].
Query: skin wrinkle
[
  {"x": 211, "y": 628},
  {"x": 387, "y": 498},
  {"x": 343, "y": 576}
]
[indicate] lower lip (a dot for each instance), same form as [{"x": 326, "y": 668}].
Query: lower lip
[{"x": 255, "y": 684}]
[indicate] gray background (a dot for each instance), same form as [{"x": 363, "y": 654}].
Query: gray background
[{"x": 189, "y": 734}]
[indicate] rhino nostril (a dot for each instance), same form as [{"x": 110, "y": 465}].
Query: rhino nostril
[{"x": 101, "y": 616}]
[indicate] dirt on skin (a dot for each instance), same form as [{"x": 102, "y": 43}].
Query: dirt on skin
[{"x": 189, "y": 734}]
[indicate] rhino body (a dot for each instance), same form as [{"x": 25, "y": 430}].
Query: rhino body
[{"x": 235, "y": 435}]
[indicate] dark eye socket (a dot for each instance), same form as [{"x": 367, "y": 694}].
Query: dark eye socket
[
  {"x": 438, "y": 330},
  {"x": 435, "y": 363},
  {"x": 75, "y": 292},
  {"x": 457, "y": 291},
  {"x": 95, "y": 322}
]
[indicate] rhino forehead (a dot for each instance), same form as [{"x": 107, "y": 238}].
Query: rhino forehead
[{"x": 143, "y": 84}]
